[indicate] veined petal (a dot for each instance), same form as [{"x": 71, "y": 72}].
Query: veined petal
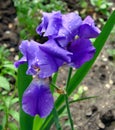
[
  {"x": 50, "y": 25},
  {"x": 83, "y": 51},
  {"x": 53, "y": 49},
  {"x": 61, "y": 27},
  {"x": 42, "y": 59},
  {"x": 71, "y": 22},
  {"x": 69, "y": 30},
  {"x": 88, "y": 29},
  {"x": 37, "y": 99}
]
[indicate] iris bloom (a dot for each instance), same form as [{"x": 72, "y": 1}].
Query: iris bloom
[{"x": 45, "y": 59}]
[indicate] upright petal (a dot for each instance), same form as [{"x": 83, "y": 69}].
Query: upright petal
[
  {"x": 61, "y": 27},
  {"x": 71, "y": 22},
  {"x": 69, "y": 30},
  {"x": 37, "y": 99},
  {"x": 50, "y": 25},
  {"x": 88, "y": 29},
  {"x": 83, "y": 51}
]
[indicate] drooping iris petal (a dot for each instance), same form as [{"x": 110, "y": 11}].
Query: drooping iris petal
[
  {"x": 83, "y": 51},
  {"x": 48, "y": 64},
  {"x": 37, "y": 99},
  {"x": 88, "y": 29},
  {"x": 52, "y": 48},
  {"x": 50, "y": 25},
  {"x": 21, "y": 61},
  {"x": 43, "y": 59},
  {"x": 53, "y": 57}
]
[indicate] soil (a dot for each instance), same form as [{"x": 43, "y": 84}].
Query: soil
[{"x": 92, "y": 114}]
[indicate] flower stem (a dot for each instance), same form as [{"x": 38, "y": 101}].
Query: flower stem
[
  {"x": 68, "y": 111},
  {"x": 69, "y": 77},
  {"x": 66, "y": 98},
  {"x": 58, "y": 127}
]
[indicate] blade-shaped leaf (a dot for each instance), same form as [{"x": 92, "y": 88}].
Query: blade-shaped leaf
[
  {"x": 38, "y": 122},
  {"x": 26, "y": 121},
  {"x": 81, "y": 73}
]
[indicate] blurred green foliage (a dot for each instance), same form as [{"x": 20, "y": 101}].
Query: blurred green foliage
[
  {"x": 8, "y": 91},
  {"x": 101, "y": 5}
]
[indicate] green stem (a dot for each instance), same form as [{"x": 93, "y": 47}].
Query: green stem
[
  {"x": 69, "y": 77},
  {"x": 68, "y": 111},
  {"x": 56, "y": 119},
  {"x": 5, "y": 111},
  {"x": 66, "y": 98},
  {"x": 6, "y": 123},
  {"x": 58, "y": 127}
]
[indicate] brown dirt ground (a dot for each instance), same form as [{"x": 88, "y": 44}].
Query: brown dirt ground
[{"x": 93, "y": 114}]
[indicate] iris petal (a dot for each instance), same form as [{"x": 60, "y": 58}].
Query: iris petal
[
  {"x": 52, "y": 48},
  {"x": 88, "y": 29},
  {"x": 50, "y": 24},
  {"x": 82, "y": 50},
  {"x": 37, "y": 99},
  {"x": 21, "y": 61}
]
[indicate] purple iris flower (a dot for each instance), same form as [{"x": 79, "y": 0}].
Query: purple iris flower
[
  {"x": 43, "y": 59},
  {"x": 37, "y": 99},
  {"x": 82, "y": 50},
  {"x": 88, "y": 29},
  {"x": 61, "y": 27}
]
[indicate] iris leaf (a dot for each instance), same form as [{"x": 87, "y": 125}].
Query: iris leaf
[
  {"x": 81, "y": 73},
  {"x": 37, "y": 122},
  {"x": 26, "y": 121}
]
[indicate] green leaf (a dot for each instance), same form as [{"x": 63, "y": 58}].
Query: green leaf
[
  {"x": 14, "y": 114},
  {"x": 13, "y": 126},
  {"x": 26, "y": 121},
  {"x": 14, "y": 100},
  {"x": 1, "y": 107},
  {"x": 7, "y": 101},
  {"x": 4, "y": 83},
  {"x": 0, "y": 127},
  {"x": 81, "y": 73},
  {"x": 37, "y": 122}
]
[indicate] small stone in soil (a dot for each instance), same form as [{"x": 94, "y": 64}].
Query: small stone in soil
[
  {"x": 12, "y": 49},
  {"x": 107, "y": 86},
  {"x": 100, "y": 124},
  {"x": 89, "y": 112},
  {"x": 16, "y": 57}
]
